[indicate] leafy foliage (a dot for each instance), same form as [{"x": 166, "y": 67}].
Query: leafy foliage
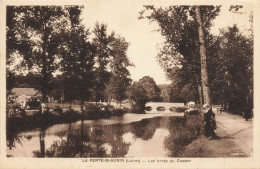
[
  {"x": 120, "y": 76},
  {"x": 138, "y": 94},
  {"x": 152, "y": 90},
  {"x": 77, "y": 58},
  {"x": 36, "y": 32},
  {"x": 57, "y": 43},
  {"x": 229, "y": 56},
  {"x": 102, "y": 41},
  {"x": 232, "y": 77},
  {"x": 180, "y": 53}
]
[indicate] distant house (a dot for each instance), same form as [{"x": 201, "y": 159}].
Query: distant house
[{"x": 22, "y": 95}]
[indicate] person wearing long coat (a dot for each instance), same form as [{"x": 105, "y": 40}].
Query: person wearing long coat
[{"x": 209, "y": 122}]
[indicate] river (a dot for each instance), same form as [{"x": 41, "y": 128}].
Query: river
[{"x": 132, "y": 135}]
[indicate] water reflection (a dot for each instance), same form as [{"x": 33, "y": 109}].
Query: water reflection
[
  {"x": 12, "y": 140},
  {"x": 41, "y": 152},
  {"x": 151, "y": 137}
]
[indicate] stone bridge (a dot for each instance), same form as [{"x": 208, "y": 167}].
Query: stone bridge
[{"x": 161, "y": 107}]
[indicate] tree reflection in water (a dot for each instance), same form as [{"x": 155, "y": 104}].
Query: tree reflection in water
[
  {"x": 12, "y": 139},
  {"x": 41, "y": 153},
  {"x": 78, "y": 143},
  {"x": 113, "y": 136},
  {"x": 111, "y": 140},
  {"x": 145, "y": 129},
  {"x": 97, "y": 141}
]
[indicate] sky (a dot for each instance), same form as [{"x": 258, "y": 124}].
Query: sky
[{"x": 122, "y": 17}]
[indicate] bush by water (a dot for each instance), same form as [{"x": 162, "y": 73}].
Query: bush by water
[{"x": 183, "y": 136}]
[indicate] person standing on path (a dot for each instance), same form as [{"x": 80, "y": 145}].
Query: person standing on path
[
  {"x": 209, "y": 122},
  {"x": 247, "y": 114},
  {"x": 43, "y": 107}
]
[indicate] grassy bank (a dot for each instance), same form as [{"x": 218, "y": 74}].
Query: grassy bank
[
  {"x": 191, "y": 142},
  {"x": 181, "y": 137},
  {"x": 204, "y": 147}
]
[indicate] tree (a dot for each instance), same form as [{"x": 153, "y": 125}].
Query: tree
[
  {"x": 165, "y": 92},
  {"x": 57, "y": 88},
  {"x": 233, "y": 73},
  {"x": 183, "y": 50},
  {"x": 26, "y": 80},
  {"x": 33, "y": 32},
  {"x": 203, "y": 51},
  {"x": 102, "y": 41},
  {"x": 152, "y": 90},
  {"x": 77, "y": 58},
  {"x": 138, "y": 94},
  {"x": 179, "y": 55},
  {"x": 10, "y": 81},
  {"x": 181, "y": 93},
  {"x": 120, "y": 78}
]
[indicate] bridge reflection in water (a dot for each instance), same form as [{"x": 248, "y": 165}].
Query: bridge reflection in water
[{"x": 162, "y": 107}]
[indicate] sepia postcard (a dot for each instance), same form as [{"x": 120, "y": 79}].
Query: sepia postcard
[{"x": 129, "y": 84}]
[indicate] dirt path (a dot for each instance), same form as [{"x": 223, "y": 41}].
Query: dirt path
[
  {"x": 235, "y": 139},
  {"x": 237, "y": 130}
]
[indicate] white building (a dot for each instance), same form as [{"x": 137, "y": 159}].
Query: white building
[{"x": 22, "y": 95}]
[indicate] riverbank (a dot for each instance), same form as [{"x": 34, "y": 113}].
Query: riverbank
[
  {"x": 236, "y": 134},
  {"x": 23, "y": 122},
  {"x": 236, "y": 139}
]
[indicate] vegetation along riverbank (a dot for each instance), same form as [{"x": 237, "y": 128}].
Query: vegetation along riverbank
[
  {"x": 180, "y": 138},
  {"x": 19, "y": 120}
]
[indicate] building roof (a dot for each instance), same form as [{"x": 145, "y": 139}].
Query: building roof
[{"x": 27, "y": 91}]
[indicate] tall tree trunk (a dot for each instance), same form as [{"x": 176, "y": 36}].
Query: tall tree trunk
[
  {"x": 203, "y": 59},
  {"x": 44, "y": 65},
  {"x": 200, "y": 97},
  {"x": 82, "y": 138},
  {"x": 82, "y": 99},
  {"x": 42, "y": 143}
]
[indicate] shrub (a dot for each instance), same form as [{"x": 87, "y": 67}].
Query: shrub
[
  {"x": 57, "y": 110},
  {"x": 181, "y": 137},
  {"x": 110, "y": 108},
  {"x": 137, "y": 109},
  {"x": 181, "y": 109},
  {"x": 90, "y": 108},
  {"x": 96, "y": 111},
  {"x": 33, "y": 105},
  {"x": 195, "y": 125},
  {"x": 119, "y": 112},
  {"x": 14, "y": 111},
  {"x": 191, "y": 112}
]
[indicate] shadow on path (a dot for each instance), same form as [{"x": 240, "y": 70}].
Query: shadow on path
[{"x": 236, "y": 129}]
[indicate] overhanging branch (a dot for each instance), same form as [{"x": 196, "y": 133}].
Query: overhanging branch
[{"x": 212, "y": 13}]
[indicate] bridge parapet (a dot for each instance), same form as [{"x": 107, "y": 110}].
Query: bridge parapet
[{"x": 161, "y": 107}]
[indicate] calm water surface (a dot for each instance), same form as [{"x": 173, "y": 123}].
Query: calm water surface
[{"x": 132, "y": 135}]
